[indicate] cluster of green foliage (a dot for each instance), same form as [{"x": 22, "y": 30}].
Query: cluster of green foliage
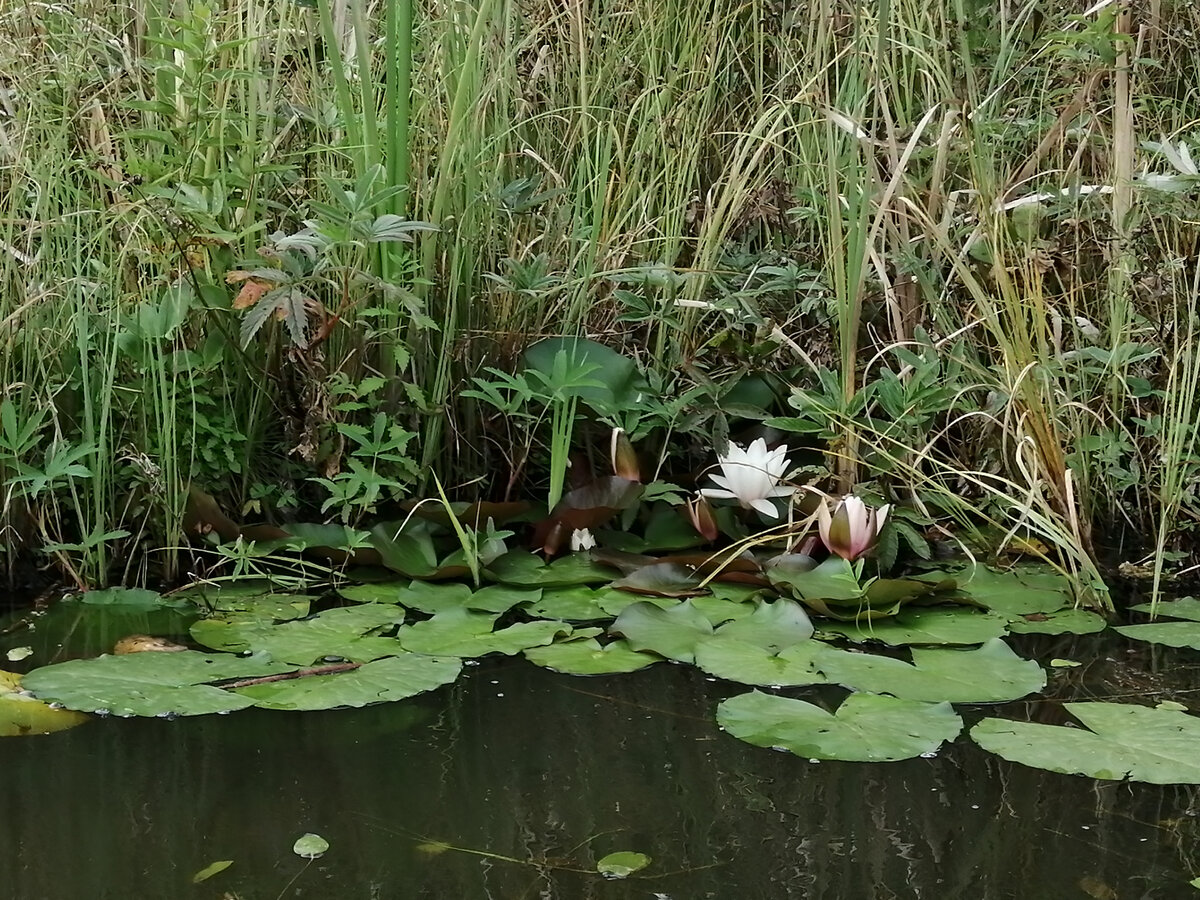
[{"x": 292, "y": 255}]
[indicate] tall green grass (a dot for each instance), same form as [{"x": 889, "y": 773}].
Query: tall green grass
[{"x": 946, "y": 170}]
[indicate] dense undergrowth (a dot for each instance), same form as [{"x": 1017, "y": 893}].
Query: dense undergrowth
[{"x": 293, "y": 256}]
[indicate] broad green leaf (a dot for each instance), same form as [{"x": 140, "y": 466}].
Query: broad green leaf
[
  {"x": 622, "y": 864},
  {"x": 719, "y": 610},
  {"x": 1124, "y": 741},
  {"x": 588, "y": 657},
  {"x": 772, "y": 626},
  {"x": 120, "y": 596},
  {"x": 673, "y": 632},
  {"x": 393, "y": 678},
  {"x": 1172, "y": 634},
  {"x": 310, "y": 846},
  {"x": 574, "y": 604},
  {"x": 523, "y": 569},
  {"x": 377, "y": 592},
  {"x": 1017, "y": 591},
  {"x": 499, "y": 598},
  {"x": 664, "y": 579},
  {"x": 616, "y": 602},
  {"x": 989, "y": 674},
  {"x": 344, "y": 633},
  {"x": 833, "y": 579},
  {"x": 866, "y": 728},
  {"x": 934, "y": 625},
  {"x": 148, "y": 684},
  {"x": 734, "y": 660},
  {"x": 610, "y": 382},
  {"x": 1183, "y": 608},
  {"x": 256, "y": 598},
  {"x": 433, "y": 597},
  {"x": 1064, "y": 621},
  {"x": 461, "y": 632}
]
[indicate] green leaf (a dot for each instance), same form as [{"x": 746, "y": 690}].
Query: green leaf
[
  {"x": 310, "y": 846},
  {"x": 148, "y": 684},
  {"x": 393, "y": 678},
  {"x": 1124, "y": 741},
  {"x": 119, "y": 596},
  {"x": 866, "y": 728},
  {"x": 461, "y": 632},
  {"x": 500, "y": 598},
  {"x": 952, "y": 625},
  {"x": 772, "y": 626},
  {"x": 256, "y": 598},
  {"x": 1172, "y": 634},
  {"x": 673, "y": 632},
  {"x": 622, "y": 864},
  {"x": 1183, "y": 608},
  {"x": 745, "y": 663},
  {"x": 344, "y": 633},
  {"x": 588, "y": 657},
  {"x": 434, "y": 597},
  {"x": 213, "y": 868},
  {"x": 989, "y": 674},
  {"x": 573, "y": 604},
  {"x": 1017, "y": 591},
  {"x": 664, "y": 579},
  {"x": 613, "y": 379},
  {"x": 1065, "y": 621},
  {"x": 527, "y": 570}
]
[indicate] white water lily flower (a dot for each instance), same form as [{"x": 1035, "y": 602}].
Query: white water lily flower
[
  {"x": 582, "y": 539},
  {"x": 751, "y": 477}
]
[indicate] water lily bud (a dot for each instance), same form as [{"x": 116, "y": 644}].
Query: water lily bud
[
  {"x": 582, "y": 539},
  {"x": 624, "y": 458},
  {"x": 852, "y": 530},
  {"x": 700, "y": 513}
]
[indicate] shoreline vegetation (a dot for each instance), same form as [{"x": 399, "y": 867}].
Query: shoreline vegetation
[{"x": 311, "y": 262}]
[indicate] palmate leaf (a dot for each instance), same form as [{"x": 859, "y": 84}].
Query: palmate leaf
[{"x": 289, "y": 301}]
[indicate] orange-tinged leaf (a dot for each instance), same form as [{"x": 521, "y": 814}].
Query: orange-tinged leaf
[{"x": 251, "y": 292}]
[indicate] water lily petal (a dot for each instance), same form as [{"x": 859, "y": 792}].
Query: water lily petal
[{"x": 766, "y": 507}]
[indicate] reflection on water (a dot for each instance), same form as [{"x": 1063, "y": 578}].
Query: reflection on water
[{"x": 556, "y": 772}]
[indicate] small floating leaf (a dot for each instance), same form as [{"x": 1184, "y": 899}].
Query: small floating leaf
[
  {"x": 622, "y": 864},
  {"x": 16, "y": 654},
  {"x": 1124, "y": 741},
  {"x": 310, "y": 846},
  {"x": 213, "y": 868},
  {"x": 1064, "y": 663},
  {"x": 866, "y": 728}
]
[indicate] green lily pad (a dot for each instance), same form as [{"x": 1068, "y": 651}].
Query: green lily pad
[
  {"x": 673, "y": 632},
  {"x": 1017, "y": 591},
  {"x": 664, "y": 579},
  {"x": 866, "y": 728},
  {"x": 989, "y": 674},
  {"x": 344, "y": 633},
  {"x": 393, "y": 678},
  {"x": 1064, "y": 621},
  {"x": 1171, "y": 634},
  {"x": 622, "y": 864},
  {"x": 588, "y": 657},
  {"x": 522, "y": 569},
  {"x": 461, "y": 632},
  {"x": 1183, "y": 608},
  {"x": 500, "y": 598},
  {"x": 616, "y": 602},
  {"x": 376, "y": 592},
  {"x": 433, "y": 597},
  {"x": 21, "y": 714},
  {"x": 573, "y": 604},
  {"x": 940, "y": 625},
  {"x": 255, "y": 598},
  {"x": 745, "y": 663},
  {"x": 719, "y": 610},
  {"x": 310, "y": 846},
  {"x": 1124, "y": 741},
  {"x": 148, "y": 684},
  {"x": 121, "y": 596},
  {"x": 772, "y": 626}
]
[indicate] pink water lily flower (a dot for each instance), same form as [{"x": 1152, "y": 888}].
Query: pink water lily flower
[
  {"x": 751, "y": 476},
  {"x": 853, "y": 527}
]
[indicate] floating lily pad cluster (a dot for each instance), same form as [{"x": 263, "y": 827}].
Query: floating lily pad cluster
[{"x": 941, "y": 643}]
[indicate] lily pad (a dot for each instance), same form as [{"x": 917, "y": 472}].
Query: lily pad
[
  {"x": 393, "y": 678},
  {"x": 1183, "y": 608},
  {"x": 310, "y": 846},
  {"x": 673, "y": 633},
  {"x": 148, "y": 684},
  {"x": 257, "y": 598},
  {"x": 120, "y": 596},
  {"x": 523, "y": 569},
  {"x": 499, "y": 598},
  {"x": 772, "y": 626},
  {"x": 990, "y": 674},
  {"x": 622, "y": 864},
  {"x": 1171, "y": 634},
  {"x": 573, "y": 604},
  {"x": 588, "y": 657},
  {"x": 344, "y": 633},
  {"x": 1124, "y": 741},
  {"x": 22, "y": 714},
  {"x": 866, "y": 728},
  {"x": 745, "y": 663},
  {"x": 1017, "y": 591},
  {"x": 461, "y": 632},
  {"x": 949, "y": 625},
  {"x": 664, "y": 579},
  {"x": 1064, "y": 621},
  {"x": 616, "y": 602}
]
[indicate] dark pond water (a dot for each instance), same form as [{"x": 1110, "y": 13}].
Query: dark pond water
[{"x": 532, "y": 776}]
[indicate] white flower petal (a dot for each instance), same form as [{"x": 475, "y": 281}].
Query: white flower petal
[{"x": 766, "y": 507}]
